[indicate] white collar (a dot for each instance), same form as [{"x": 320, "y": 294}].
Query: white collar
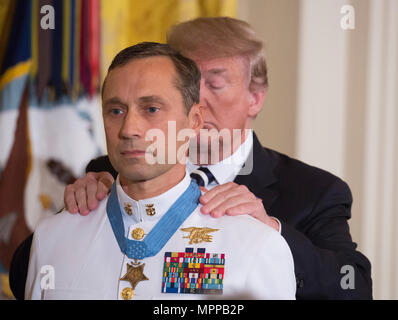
[
  {"x": 157, "y": 206},
  {"x": 227, "y": 169}
]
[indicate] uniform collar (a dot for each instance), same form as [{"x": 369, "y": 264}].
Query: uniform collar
[
  {"x": 151, "y": 209},
  {"x": 227, "y": 169}
]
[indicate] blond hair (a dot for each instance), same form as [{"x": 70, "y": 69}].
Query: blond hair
[{"x": 217, "y": 37}]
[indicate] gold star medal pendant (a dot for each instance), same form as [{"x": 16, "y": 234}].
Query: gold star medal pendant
[{"x": 134, "y": 275}]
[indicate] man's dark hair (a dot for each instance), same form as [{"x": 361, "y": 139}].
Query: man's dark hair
[{"x": 188, "y": 74}]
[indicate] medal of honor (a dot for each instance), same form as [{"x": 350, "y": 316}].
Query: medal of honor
[
  {"x": 156, "y": 239},
  {"x": 134, "y": 275}
]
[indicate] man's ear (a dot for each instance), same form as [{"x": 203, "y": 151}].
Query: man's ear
[
  {"x": 195, "y": 118},
  {"x": 256, "y": 102}
]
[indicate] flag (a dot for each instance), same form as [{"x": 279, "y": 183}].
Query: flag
[
  {"x": 127, "y": 22},
  {"x": 15, "y": 65},
  {"x": 46, "y": 137}
]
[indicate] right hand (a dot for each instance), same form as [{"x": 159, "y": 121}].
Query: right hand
[{"x": 85, "y": 193}]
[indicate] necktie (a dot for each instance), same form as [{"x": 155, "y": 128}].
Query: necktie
[{"x": 203, "y": 176}]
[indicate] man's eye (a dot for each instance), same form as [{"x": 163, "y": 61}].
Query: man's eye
[
  {"x": 153, "y": 109},
  {"x": 116, "y": 111},
  {"x": 215, "y": 86}
]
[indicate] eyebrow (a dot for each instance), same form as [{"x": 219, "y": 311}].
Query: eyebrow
[
  {"x": 114, "y": 100},
  {"x": 152, "y": 99},
  {"x": 217, "y": 71},
  {"x": 144, "y": 99}
]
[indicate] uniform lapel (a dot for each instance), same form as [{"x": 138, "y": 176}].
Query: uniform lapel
[{"x": 262, "y": 177}]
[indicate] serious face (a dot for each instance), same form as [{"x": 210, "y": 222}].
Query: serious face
[
  {"x": 138, "y": 97},
  {"x": 224, "y": 93}
]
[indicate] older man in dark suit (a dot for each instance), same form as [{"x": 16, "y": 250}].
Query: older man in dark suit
[{"x": 308, "y": 206}]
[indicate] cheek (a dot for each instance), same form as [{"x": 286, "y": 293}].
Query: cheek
[
  {"x": 111, "y": 135},
  {"x": 112, "y": 126},
  {"x": 231, "y": 108},
  {"x": 175, "y": 132},
  {"x": 229, "y": 101}
]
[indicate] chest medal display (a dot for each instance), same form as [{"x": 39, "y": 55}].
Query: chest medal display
[{"x": 193, "y": 272}]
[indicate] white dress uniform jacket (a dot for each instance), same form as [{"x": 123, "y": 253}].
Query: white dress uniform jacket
[{"x": 88, "y": 263}]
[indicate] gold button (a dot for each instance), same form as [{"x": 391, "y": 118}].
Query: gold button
[
  {"x": 127, "y": 293},
  {"x": 137, "y": 233}
]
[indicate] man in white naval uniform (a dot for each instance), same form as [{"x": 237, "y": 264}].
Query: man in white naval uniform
[{"x": 147, "y": 239}]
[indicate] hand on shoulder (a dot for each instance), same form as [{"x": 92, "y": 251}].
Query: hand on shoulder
[{"x": 84, "y": 194}]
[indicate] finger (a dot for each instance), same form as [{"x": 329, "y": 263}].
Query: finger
[
  {"x": 102, "y": 191},
  {"x": 216, "y": 190},
  {"x": 203, "y": 189},
  {"x": 218, "y": 200},
  {"x": 91, "y": 189},
  {"x": 225, "y": 197},
  {"x": 81, "y": 200},
  {"x": 104, "y": 185},
  {"x": 69, "y": 199},
  {"x": 243, "y": 208},
  {"x": 232, "y": 202}
]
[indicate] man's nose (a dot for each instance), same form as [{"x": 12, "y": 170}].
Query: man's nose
[{"x": 132, "y": 126}]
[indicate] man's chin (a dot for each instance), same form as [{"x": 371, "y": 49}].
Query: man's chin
[
  {"x": 136, "y": 177},
  {"x": 141, "y": 173}
]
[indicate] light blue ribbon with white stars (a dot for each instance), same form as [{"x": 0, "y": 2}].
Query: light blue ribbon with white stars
[{"x": 161, "y": 232}]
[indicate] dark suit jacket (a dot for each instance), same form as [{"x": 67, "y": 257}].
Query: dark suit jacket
[{"x": 313, "y": 207}]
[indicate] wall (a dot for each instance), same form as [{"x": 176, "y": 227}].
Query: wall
[{"x": 276, "y": 22}]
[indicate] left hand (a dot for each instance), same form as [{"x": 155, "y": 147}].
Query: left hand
[{"x": 234, "y": 199}]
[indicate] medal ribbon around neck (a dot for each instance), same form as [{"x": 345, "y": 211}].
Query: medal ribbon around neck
[{"x": 161, "y": 232}]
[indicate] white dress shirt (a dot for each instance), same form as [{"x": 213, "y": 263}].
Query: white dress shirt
[
  {"x": 227, "y": 169},
  {"x": 88, "y": 263}
]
